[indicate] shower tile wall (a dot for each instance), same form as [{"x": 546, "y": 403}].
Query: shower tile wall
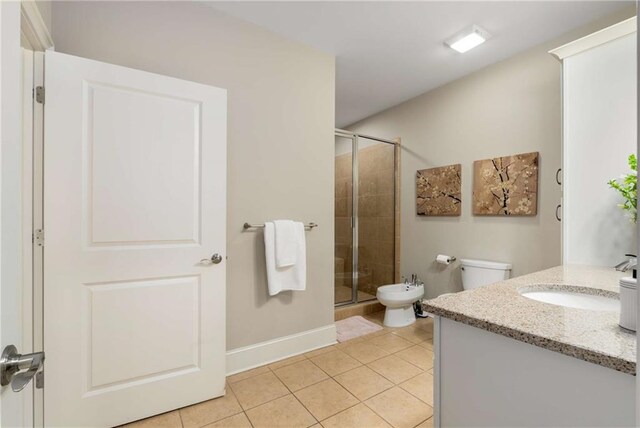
[
  {"x": 343, "y": 236},
  {"x": 376, "y": 209}
]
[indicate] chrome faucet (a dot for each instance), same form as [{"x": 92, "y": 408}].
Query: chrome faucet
[
  {"x": 630, "y": 263},
  {"x": 414, "y": 281}
]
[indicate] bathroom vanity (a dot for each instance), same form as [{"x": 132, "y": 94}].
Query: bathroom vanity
[{"x": 503, "y": 358}]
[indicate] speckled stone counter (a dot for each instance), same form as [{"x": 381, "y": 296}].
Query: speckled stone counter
[{"x": 592, "y": 336}]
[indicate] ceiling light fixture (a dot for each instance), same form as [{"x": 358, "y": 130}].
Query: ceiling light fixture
[{"x": 468, "y": 39}]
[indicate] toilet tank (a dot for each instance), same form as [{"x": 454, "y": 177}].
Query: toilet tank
[{"x": 476, "y": 273}]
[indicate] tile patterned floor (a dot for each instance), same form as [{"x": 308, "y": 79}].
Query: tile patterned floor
[{"x": 384, "y": 379}]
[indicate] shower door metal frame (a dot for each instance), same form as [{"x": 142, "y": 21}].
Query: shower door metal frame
[{"x": 355, "y": 174}]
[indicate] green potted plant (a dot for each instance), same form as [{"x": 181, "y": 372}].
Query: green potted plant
[{"x": 627, "y": 186}]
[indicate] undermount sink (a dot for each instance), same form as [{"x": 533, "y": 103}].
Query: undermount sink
[{"x": 572, "y": 299}]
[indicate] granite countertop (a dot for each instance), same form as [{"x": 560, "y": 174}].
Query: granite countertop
[{"x": 592, "y": 336}]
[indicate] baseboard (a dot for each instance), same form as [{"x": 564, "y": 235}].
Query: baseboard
[{"x": 249, "y": 357}]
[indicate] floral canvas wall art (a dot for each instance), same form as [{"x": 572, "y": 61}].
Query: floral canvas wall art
[
  {"x": 438, "y": 191},
  {"x": 506, "y": 185}
]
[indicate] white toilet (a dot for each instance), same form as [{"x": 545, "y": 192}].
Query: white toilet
[
  {"x": 399, "y": 299},
  {"x": 476, "y": 273}
]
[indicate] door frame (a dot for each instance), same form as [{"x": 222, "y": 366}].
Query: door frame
[
  {"x": 32, "y": 216},
  {"x": 35, "y": 39}
]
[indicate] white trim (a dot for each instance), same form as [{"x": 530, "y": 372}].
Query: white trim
[
  {"x": 33, "y": 28},
  {"x": 593, "y": 40},
  {"x": 565, "y": 211},
  {"x": 37, "y": 253},
  {"x": 436, "y": 372},
  {"x": 27, "y": 210},
  {"x": 248, "y": 357}
]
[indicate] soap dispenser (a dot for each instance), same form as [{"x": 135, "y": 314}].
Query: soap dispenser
[{"x": 629, "y": 294}]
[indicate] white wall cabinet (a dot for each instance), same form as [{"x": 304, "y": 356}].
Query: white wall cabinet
[{"x": 600, "y": 132}]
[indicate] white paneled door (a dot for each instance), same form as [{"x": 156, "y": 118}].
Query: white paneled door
[{"x": 134, "y": 200}]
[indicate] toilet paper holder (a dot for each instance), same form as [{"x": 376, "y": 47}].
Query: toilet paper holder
[{"x": 445, "y": 259}]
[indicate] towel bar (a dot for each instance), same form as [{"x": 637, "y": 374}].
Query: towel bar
[{"x": 249, "y": 226}]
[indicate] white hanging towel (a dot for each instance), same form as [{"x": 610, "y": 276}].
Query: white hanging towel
[
  {"x": 293, "y": 277},
  {"x": 286, "y": 237}
]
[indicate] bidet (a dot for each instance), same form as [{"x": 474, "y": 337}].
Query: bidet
[{"x": 399, "y": 299}]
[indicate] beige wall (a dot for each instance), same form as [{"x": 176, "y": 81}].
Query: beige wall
[
  {"x": 280, "y": 137},
  {"x": 510, "y": 107},
  {"x": 44, "y": 7}
]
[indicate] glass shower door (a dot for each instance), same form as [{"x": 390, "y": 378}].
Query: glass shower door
[
  {"x": 366, "y": 239},
  {"x": 343, "y": 258}
]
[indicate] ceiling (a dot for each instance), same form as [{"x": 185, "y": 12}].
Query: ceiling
[{"x": 389, "y": 52}]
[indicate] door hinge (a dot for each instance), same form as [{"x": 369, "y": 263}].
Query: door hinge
[
  {"x": 39, "y": 94},
  {"x": 40, "y": 379},
  {"x": 38, "y": 237}
]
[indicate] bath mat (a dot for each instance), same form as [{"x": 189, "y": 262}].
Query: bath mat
[{"x": 352, "y": 327}]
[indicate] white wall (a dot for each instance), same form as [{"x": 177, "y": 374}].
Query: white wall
[
  {"x": 637, "y": 250},
  {"x": 600, "y": 133},
  {"x": 280, "y": 137}
]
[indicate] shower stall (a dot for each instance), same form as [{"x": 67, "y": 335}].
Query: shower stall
[{"x": 366, "y": 216}]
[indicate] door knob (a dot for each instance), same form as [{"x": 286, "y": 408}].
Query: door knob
[
  {"x": 18, "y": 369},
  {"x": 215, "y": 259}
]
